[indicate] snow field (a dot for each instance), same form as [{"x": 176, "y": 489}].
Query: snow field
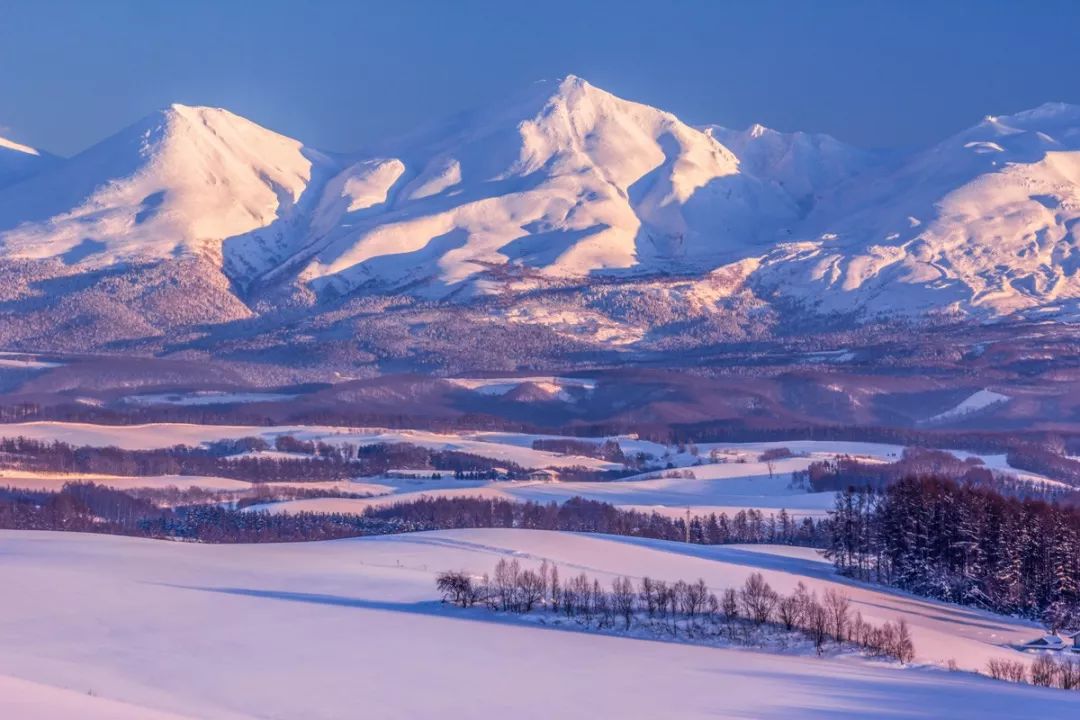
[{"x": 317, "y": 630}]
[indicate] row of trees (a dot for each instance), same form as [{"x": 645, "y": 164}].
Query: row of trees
[
  {"x": 319, "y": 461},
  {"x": 87, "y": 507},
  {"x": 1046, "y": 462},
  {"x": 164, "y": 514},
  {"x": 1046, "y": 671},
  {"x": 690, "y": 608},
  {"x": 590, "y": 516},
  {"x": 962, "y": 543}
]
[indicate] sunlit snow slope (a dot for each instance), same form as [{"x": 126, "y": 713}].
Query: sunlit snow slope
[
  {"x": 987, "y": 222},
  {"x": 565, "y": 181},
  {"x": 178, "y": 182},
  {"x": 335, "y": 630}
]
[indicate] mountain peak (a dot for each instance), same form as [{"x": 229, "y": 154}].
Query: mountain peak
[
  {"x": 757, "y": 130},
  {"x": 178, "y": 182}
]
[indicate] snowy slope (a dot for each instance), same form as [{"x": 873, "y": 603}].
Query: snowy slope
[
  {"x": 318, "y": 630},
  {"x": 178, "y": 182},
  {"x": 983, "y": 223},
  {"x": 803, "y": 165},
  {"x": 563, "y": 182},
  {"x": 18, "y": 162}
]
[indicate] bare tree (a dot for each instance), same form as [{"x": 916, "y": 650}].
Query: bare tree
[
  {"x": 1011, "y": 670},
  {"x": 648, "y": 595},
  {"x": 556, "y": 591},
  {"x": 622, "y": 599},
  {"x": 758, "y": 599},
  {"x": 601, "y": 604},
  {"x": 1044, "y": 671},
  {"x": 817, "y": 622},
  {"x": 729, "y": 604},
  {"x": 837, "y": 605},
  {"x": 457, "y": 587},
  {"x": 789, "y": 611},
  {"x": 905, "y": 647},
  {"x": 530, "y": 590},
  {"x": 694, "y": 597}
]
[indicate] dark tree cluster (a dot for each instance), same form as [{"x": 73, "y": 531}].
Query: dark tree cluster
[
  {"x": 845, "y": 471},
  {"x": 323, "y": 462},
  {"x": 609, "y": 450},
  {"x": 87, "y": 507},
  {"x": 962, "y": 543},
  {"x": 590, "y": 516},
  {"x": 671, "y": 608},
  {"x": 1046, "y": 462}
]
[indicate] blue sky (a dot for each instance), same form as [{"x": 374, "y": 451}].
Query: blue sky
[{"x": 339, "y": 74}]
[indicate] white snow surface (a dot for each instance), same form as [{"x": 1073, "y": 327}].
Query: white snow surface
[
  {"x": 556, "y": 387},
  {"x": 979, "y": 400},
  {"x": 110, "y": 627}
]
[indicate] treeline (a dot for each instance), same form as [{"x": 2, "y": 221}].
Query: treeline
[
  {"x": 323, "y": 461},
  {"x": 965, "y": 544},
  {"x": 689, "y": 608},
  {"x": 590, "y": 516},
  {"x": 845, "y": 471},
  {"x": 1045, "y": 462},
  {"x": 609, "y": 450},
  {"x": 87, "y": 507},
  {"x": 1045, "y": 671},
  {"x": 96, "y": 508},
  {"x": 346, "y": 414},
  {"x": 982, "y": 441}
]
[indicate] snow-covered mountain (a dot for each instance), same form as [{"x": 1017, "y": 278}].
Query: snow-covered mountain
[
  {"x": 178, "y": 182},
  {"x": 564, "y": 182},
  {"x": 984, "y": 223},
  {"x": 588, "y": 216}
]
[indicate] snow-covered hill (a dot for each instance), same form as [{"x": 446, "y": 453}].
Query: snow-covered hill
[
  {"x": 318, "y": 630},
  {"x": 593, "y": 220}
]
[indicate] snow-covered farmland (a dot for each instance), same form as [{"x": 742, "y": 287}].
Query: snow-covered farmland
[
  {"x": 33, "y": 480},
  {"x": 729, "y": 478},
  {"x": 109, "y": 627},
  {"x": 161, "y": 435},
  {"x": 722, "y": 487}
]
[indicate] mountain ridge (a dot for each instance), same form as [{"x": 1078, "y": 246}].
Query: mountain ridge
[{"x": 567, "y": 213}]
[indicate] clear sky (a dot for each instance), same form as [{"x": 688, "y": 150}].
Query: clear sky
[{"x": 338, "y": 74}]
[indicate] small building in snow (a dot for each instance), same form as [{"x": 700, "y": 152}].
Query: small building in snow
[{"x": 1046, "y": 642}]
